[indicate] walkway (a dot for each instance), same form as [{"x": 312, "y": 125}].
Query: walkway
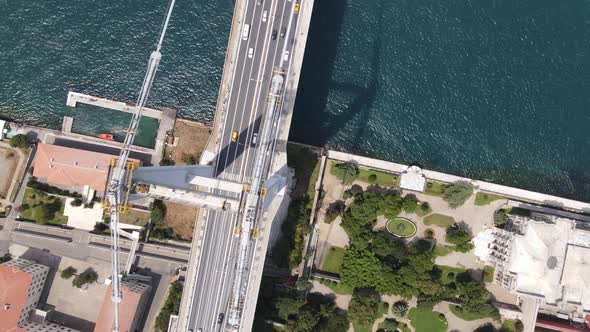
[{"x": 511, "y": 192}]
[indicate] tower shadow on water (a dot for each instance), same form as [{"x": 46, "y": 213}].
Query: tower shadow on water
[{"x": 313, "y": 123}]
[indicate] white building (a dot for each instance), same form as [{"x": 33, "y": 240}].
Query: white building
[{"x": 547, "y": 258}]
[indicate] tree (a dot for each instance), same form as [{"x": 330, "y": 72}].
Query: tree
[
  {"x": 400, "y": 309},
  {"x": 19, "y": 141},
  {"x": 382, "y": 245},
  {"x": 425, "y": 206},
  {"x": 189, "y": 159},
  {"x": 390, "y": 325},
  {"x": 456, "y": 194},
  {"x": 288, "y": 306},
  {"x": 87, "y": 277},
  {"x": 69, "y": 272},
  {"x": 501, "y": 218},
  {"x": 346, "y": 172},
  {"x": 363, "y": 309},
  {"x": 306, "y": 320},
  {"x": 157, "y": 211},
  {"x": 372, "y": 178},
  {"x": 360, "y": 268},
  {"x": 171, "y": 306},
  {"x": 76, "y": 202},
  {"x": 459, "y": 237},
  {"x": 410, "y": 203},
  {"x": 474, "y": 297},
  {"x": 336, "y": 322},
  {"x": 334, "y": 210}
]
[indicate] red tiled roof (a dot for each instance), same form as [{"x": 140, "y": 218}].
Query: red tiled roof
[
  {"x": 72, "y": 167},
  {"x": 14, "y": 285},
  {"x": 127, "y": 310}
]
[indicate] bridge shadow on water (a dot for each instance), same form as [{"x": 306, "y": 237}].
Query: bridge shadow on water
[{"x": 313, "y": 123}]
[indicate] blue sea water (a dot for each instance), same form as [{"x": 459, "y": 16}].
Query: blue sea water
[{"x": 495, "y": 90}]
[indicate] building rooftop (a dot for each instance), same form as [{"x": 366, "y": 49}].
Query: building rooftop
[
  {"x": 538, "y": 257},
  {"x": 127, "y": 308},
  {"x": 14, "y": 285},
  {"x": 72, "y": 167},
  {"x": 576, "y": 278},
  {"x": 412, "y": 179}
]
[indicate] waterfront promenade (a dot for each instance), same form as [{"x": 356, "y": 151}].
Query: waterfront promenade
[{"x": 483, "y": 186}]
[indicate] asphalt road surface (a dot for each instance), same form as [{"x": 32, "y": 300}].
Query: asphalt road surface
[{"x": 250, "y": 85}]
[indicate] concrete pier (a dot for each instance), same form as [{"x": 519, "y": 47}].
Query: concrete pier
[
  {"x": 167, "y": 117},
  {"x": 75, "y": 97},
  {"x": 66, "y": 125}
]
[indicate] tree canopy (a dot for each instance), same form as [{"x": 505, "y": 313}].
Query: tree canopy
[
  {"x": 363, "y": 309},
  {"x": 457, "y": 193},
  {"x": 345, "y": 172},
  {"x": 19, "y": 141}
]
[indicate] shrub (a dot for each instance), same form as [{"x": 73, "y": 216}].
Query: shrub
[
  {"x": 171, "y": 306},
  {"x": 87, "y": 277},
  {"x": 189, "y": 159},
  {"x": 68, "y": 272},
  {"x": 456, "y": 194},
  {"x": 442, "y": 318},
  {"x": 410, "y": 204},
  {"x": 390, "y": 325},
  {"x": 157, "y": 211},
  {"x": 19, "y": 141},
  {"x": 76, "y": 202},
  {"x": 425, "y": 206},
  {"x": 372, "y": 178},
  {"x": 400, "y": 309},
  {"x": 334, "y": 210},
  {"x": 345, "y": 172},
  {"x": 457, "y": 235},
  {"x": 100, "y": 227},
  {"x": 429, "y": 233}
]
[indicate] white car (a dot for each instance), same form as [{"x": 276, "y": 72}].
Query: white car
[
  {"x": 246, "y": 32},
  {"x": 286, "y": 56},
  {"x": 250, "y": 52},
  {"x": 264, "y": 16},
  {"x": 254, "y": 139}
]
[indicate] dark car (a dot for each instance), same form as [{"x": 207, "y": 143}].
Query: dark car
[
  {"x": 283, "y": 31},
  {"x": 220, "y": 318},
  {"x": 274, "y": 34}
]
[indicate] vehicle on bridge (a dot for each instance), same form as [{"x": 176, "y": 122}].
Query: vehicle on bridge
[
  {"x": 296, "y": 8},
  {"x": 234, "y": 136},
  {"x": 250, "y": 52},
  {"x": 246, "y": 32},
  {"x": 274, "y": 34}
]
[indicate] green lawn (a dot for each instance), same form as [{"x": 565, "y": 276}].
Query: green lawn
[
  {"x": 456, "y": 310},
  {"x": 401, "y": 227},
  {"x": 488, "y": 273},
  {"x": 361, "y": 328},
  {"x": 383, "y": 309},
  {"x": 33, "y": 200},
  {"x": 426, "y": 320},
  {"x": 439, "y": 219},
  {"x": 485, "y": 198},
  {"x": 383, "y": 179},
  {"x": 445, "y": 277},
  {"x": 434, "y": 188},
  {"x": 337, "y": 287},
  {"x": 333, "y": 261},
  {"x": 443, "y": 250}
]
